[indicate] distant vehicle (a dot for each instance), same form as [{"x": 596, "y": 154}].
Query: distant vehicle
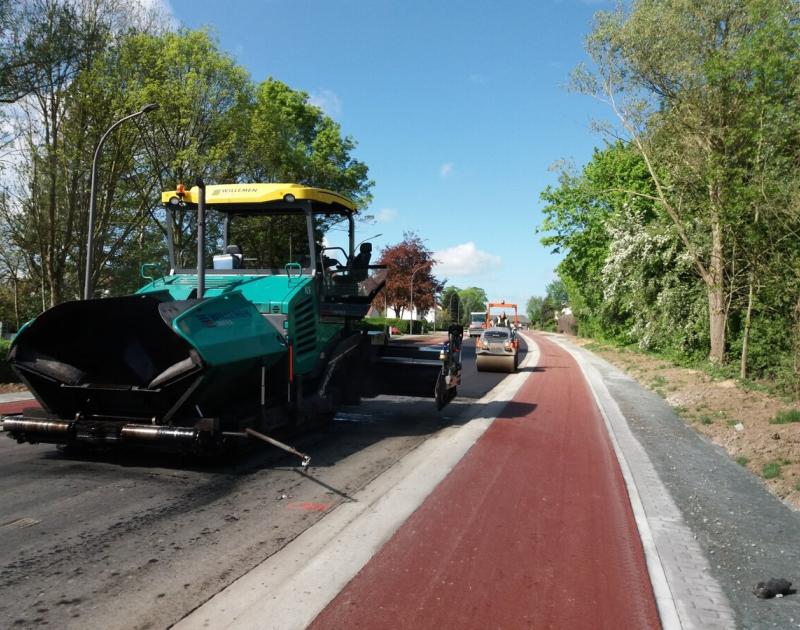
[
  {"x": 497, "y": 350},
  {"x": 477, "y": 323}
]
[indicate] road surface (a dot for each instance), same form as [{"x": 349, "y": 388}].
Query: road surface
[{"x": 138, "y": 541}]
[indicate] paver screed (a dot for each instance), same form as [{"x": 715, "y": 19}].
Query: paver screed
[{"x": 532, "y": 529}]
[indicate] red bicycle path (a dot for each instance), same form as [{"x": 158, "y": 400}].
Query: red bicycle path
[
  {"x": 531, "y": 529},
  {"x": 17, "y": 406}
]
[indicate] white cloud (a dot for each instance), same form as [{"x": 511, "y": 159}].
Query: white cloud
[
  {"x": 385, "y": 215},
  {"x": 328, "y": 101},
  {"x": 464, "y": 260},
  {"x": 446, "y": 169},
  {"x": 156, "y": 4}
]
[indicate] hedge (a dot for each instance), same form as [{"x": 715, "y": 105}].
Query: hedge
[
  {"x": 403, "y": 325},
  {"x": 6, "y": 373}
]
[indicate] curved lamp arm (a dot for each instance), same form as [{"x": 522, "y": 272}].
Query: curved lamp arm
[{"x": 93, "y": 193}]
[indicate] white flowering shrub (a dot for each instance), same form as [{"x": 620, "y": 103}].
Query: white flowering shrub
[{"x": 650, "y": 285}]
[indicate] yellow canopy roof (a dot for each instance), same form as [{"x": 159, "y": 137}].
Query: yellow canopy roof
[{"x": 240, "y": 195}]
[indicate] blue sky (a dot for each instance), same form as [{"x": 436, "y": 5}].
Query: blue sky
[{"x": 458, "y": 108}]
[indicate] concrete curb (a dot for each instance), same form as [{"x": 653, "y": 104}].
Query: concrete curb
[
  {"x": 290, "y": 588},
  {"x": 15, "y": 397}
]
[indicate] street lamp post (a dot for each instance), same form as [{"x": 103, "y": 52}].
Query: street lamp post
[
  {"x": 93, "y": 193},
  {"x": 413, "y": 273}
]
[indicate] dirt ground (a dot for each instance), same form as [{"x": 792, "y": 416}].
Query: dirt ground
[
  {"x": 7, "y": 388},
  {"x": 731, "y": 416}
]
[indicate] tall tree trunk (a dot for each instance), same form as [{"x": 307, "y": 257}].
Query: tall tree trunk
[
  {"x": 746, "y": 336},
  {"x": 796, "y": 347},
  {"x": 16, "y": 300},
  {"x": 715, "y": 284}
]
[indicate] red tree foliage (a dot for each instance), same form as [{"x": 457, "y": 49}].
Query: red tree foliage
[{"x": 402, "y": 260}]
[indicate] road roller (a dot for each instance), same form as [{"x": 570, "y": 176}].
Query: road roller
[{"x": 497, "y": 350}]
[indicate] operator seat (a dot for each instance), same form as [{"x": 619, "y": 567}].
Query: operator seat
[
  {"x": 238, "y": 257},
  {"x": 231, "y": 259}
]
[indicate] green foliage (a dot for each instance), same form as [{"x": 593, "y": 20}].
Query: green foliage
[
  {"x": 6, "y": 373},
  {"x": 288, "y": 139},
  {"x": 473, "y": 299},
  {"x": 402, "y": 325},
  {"x": 771, "y": 470},
  {"x": 706, "y": 94},
  {"x": 682, "y": 237},
  {"x": 452, "y": 309},
  {"x": 742, "y": 460},
  {"x": 785, "y": 417},
  {"x": 580, "y": 216},
  {"x": 535, "y": 311},
  {"x": 86, "y": 65}
]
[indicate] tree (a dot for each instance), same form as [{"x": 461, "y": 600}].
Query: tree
[
  {"x": 535, "y": 310},
  {"x": 289, "y": 139},
  {"x": 453, "y": 311},
  {"x": 473, "y": 299},
  {"x": 700, "y": 90},
  {"x": 56, "y": 41},
  {"x": 200, "y": 127},
  {"x": 402, "y": 260},
  {"x": 203, "y": 128},
  {"x": 578, "y": 216}
]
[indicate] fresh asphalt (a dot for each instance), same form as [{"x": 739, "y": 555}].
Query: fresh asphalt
[{"x": 126, "y": 540}]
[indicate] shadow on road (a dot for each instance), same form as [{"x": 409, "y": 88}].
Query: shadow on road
[{"x": 515, "y": 409}]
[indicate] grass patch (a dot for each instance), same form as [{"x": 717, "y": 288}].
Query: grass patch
[
  {"x": 742, "y": 460},
  {"x": 658, "y": 385},
  {"x": 797, "y": 486},
  {"x": 785, "y": 417},
  {"x": 771, "y": 470},
  {"x": 706, "y": 420},
  {"x": 698, "y": 361}
]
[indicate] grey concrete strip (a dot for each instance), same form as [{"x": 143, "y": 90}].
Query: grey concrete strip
[
  {"x": 290, "y": 588},
  {"x": 15, "y": 396}
]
